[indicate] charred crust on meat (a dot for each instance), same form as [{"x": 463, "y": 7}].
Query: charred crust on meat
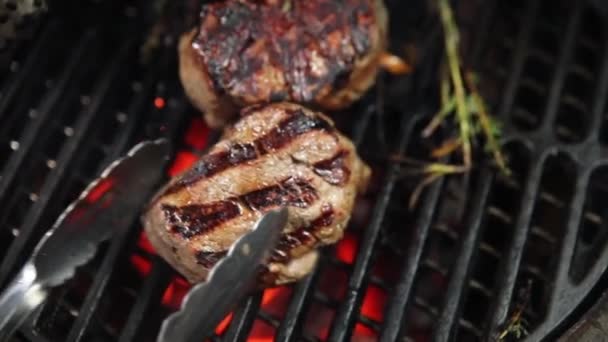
[
  {"x": 293, "y": 191},
  {"x": 192, "y": 220},
  {"x": 334, "y": 170},
  {"x": 208, "y": 259},
  {"x": 303, "y": 235},
  {"x": 296, "y": 124},
  {"x": 213, "y": 163},
  {"x": 278, "y": 96},
  {"x": 312, "y": 44},
  {"x": 326, "y": 218},
  {"x": 290, "y": 128}
]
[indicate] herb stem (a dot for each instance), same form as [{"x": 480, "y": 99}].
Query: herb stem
[{"x": 451, "y": 38}]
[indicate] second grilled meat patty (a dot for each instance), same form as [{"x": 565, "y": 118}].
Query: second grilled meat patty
[
  {"x": 322, "y": 53},
  {"x": 275, "y": 155}
]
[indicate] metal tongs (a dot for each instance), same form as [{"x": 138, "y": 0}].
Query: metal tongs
[
  {"x": 230, "y": 279},
  {"x": 106, "y": 207}
]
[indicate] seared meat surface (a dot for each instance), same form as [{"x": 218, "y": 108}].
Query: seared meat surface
[
  {"x": 322, "y": 53},
  {"x": 276, "y": 155}
]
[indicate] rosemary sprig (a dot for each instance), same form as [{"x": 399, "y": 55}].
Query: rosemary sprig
[
  {"x": 461, "y": 100},
  {"x": 451, "y": 39},
  {"x": 432, "y": 171},
  {"x": 490, "y": 128}
]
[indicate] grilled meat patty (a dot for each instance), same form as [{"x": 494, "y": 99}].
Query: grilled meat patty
[
  {"x": 322, "y": 53},
  {"x": 276, "y": 155}
]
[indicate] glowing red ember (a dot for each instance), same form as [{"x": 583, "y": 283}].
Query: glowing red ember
[
  {"x": 183, "y": 160},
  {"x": 159, "y": 102}
]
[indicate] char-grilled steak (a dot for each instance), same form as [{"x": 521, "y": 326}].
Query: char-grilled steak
[
  {"x": 321, "y": 53},
  {"x": 275, "y": 155}
]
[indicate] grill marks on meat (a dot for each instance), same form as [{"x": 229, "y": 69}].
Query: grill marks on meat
[
  {"x": 245, "y": 52},
  {"x": 211, "y": 164},
  {"x": 289, "y": 129},
  {"x": 208, "y": 259},
  {"x": 294, "y": 192},
  {"x": 286, "y": 131},
  {"x": 192, "y": 220},
  {"x": 334, "y": 170},
  {"x": 313, "y": 43},
  {"x": 302, "y": 236},
  {"x": 277, "y": 155}
]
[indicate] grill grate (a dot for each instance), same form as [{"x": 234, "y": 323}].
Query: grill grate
[{"x": 77, "y": 94}]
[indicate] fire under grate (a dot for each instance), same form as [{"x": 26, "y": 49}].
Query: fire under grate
[{"x": 76, "y": 92}]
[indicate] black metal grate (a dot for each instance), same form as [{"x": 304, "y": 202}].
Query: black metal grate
[{"x": 77, "y": 92}]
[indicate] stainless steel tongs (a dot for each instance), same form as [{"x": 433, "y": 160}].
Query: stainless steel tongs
[{"x": 207, "y": 303}]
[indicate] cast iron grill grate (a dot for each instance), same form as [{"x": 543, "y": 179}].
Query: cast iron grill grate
[{"x": 77, "y": 94}]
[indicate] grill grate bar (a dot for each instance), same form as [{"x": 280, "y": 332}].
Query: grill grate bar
[
  {"x": 482, "y": 28},
  {"x": 243, "y": 318},
  {"x": 460, "y": 272},
  {"x": 158, "y": 280},
  {"x": 105, "y": 272},
  {"x": 298, "y": 305},
  {"x": 153, "y": 288},
  {"x": 519, "y": 57},
  {"x": 511, "y": 270},
  {"x": 94, "y": 295},
  {"x": 32, "y": 336},
  {"x": 27, "y": 71},
  {"x": 402, "y": 294},
  {"x": 33, "y": 130},
  {"x": 137, "y": 106},
  {"x": 347, "y": 313},
  {"x": 565, "y": 55},
  {"x": 66, "y": 154},
  {"x": 599, "y": 96},
  {"x": 562, "y": 283},
  {"x": 508, "y": 272}
]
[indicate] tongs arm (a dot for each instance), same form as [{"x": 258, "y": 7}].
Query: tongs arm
[{"x": 14, "y": 310}]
